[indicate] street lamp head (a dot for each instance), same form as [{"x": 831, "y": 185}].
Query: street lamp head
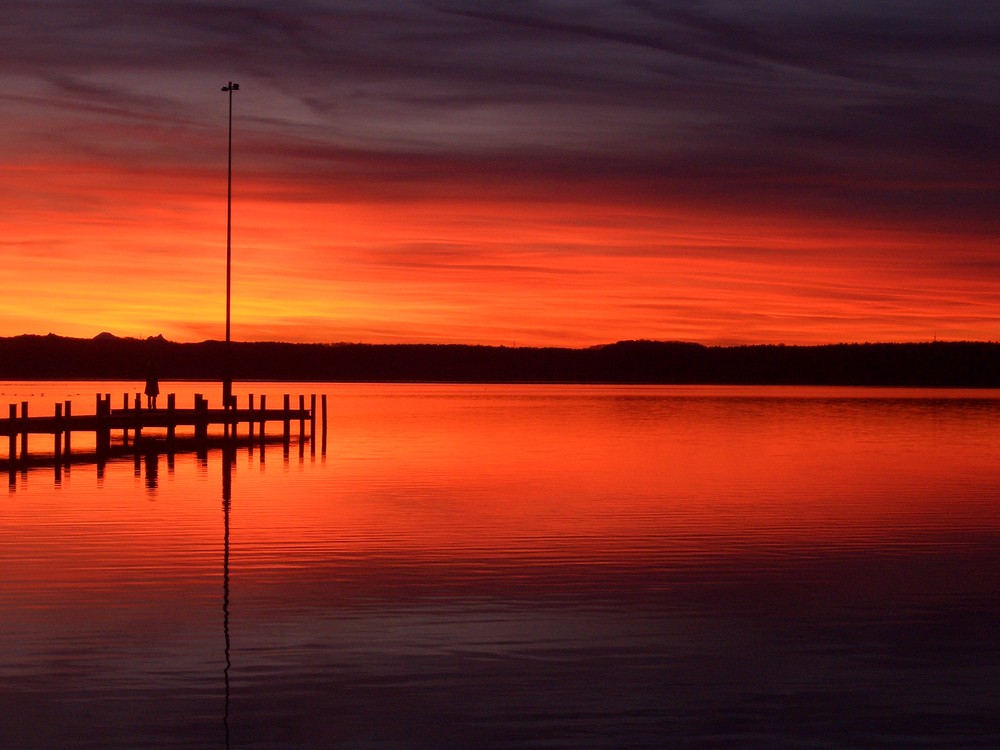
[{"x": 231, "y": 87}]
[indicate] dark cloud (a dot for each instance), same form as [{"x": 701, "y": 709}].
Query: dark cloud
[{"x": 850, "y": 105}]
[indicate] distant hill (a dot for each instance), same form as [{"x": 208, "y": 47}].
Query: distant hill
[{"x": 107, "y": 357}]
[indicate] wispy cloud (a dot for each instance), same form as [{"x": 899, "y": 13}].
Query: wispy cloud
[{"x": 867, "y": 117}]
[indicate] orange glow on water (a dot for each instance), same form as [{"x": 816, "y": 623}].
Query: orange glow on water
[{"x": 476, "y": 480}]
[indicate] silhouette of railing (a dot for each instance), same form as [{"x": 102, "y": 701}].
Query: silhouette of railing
[{"x": 132, "y": 421}]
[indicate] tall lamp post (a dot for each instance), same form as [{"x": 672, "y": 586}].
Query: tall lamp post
[{"x": 227, "y": 374}]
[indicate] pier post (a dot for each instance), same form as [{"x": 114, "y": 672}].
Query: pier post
[
  {"x": 24, "y": 433},
  {"x": 106, "y": 433},
  {"x": 201, "y": 425},
  {"x": 232, "y": 422},
  {"x": 324, "y": 424},
  {"x": 302, "y": 426},
  {"x": 312, "y": 425},
  {"x": 231, "y": 414},
  {"x": 287, "y": 422},
  {"x": 68, "y": 413},
  {"x": 12, "y": 412},
  {"x": 125, "y": 428},
  {"x": 262, "y": 425},
  {"x": 137, "y": 428},
  {"x": 302, "y": 418},
  {"x": 250, "y": 420},
  {"x": 103, "y": 436},
  {"x": 171, "y": 421},
  {"x": 57, "y": 436}
]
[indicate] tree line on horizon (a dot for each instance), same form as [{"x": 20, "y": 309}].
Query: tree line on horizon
[{"x": 106, "y": 357}]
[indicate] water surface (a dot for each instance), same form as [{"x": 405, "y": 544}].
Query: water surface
[{"x": 519, "y": 566}]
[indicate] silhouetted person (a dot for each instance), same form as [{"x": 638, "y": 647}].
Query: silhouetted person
[{"x": 152, "y": 386}]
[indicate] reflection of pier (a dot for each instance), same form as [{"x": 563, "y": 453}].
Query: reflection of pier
[{"x": 196, "y": 427}]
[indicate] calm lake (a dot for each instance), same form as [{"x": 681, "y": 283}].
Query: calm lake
[{"x": 470, "y": 566}]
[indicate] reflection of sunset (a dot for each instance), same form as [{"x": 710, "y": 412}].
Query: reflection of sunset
[
  {"x": 506, "y": 476},
  {"x": 521, "y": 535},
  {"x": 684, "y": 484}
]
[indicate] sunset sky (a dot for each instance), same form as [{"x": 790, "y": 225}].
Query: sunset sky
[{"x": 545, "y": 172}]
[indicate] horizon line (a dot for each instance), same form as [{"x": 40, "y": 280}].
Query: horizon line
[{"x": 160, "y": 338}]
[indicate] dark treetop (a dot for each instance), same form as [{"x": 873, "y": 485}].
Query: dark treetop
[{"x": 950, "y": 364}]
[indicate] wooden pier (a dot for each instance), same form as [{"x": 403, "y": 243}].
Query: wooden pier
[{"x": 131, "y": 421}]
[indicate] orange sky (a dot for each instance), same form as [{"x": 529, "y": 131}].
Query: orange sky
[{"x": 456, "y": 176}]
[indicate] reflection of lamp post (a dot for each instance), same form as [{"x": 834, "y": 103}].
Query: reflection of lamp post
[
  {"x": 227, "y": 374},
  {"x": 227, "y": 498}
]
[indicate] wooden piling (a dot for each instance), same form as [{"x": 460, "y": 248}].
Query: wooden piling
[
  {"x": 57, "y": 435},
  {"x": 287, "y": 423},
  {"x": 201, "y": 424},
  {"x": 103, "y": 430},
  {"x": 229, "y": 420},
  {"x": 312, "y": 425},
  {"x": 125, "y": 428},
  {"x": 302, "y": 426},
  {"x": 171, "y": 421},
  {"x": 302, "y": 418},
  {"x": 263, "y": 406},
  {"x": 324, "y": 423},
  {"x": 68, "y": 413},
  {"x": 137, "y": 426},
  {"x": 250, "y": 420},
  {"x": 233, "y": 403},
  {"x": 262, "y": 436},
  {"x": 24, "y": 431},
  {"x": 13, "y": 435}
]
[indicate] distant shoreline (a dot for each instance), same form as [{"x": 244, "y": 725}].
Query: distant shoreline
[{"x": 107, "y": 357}]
